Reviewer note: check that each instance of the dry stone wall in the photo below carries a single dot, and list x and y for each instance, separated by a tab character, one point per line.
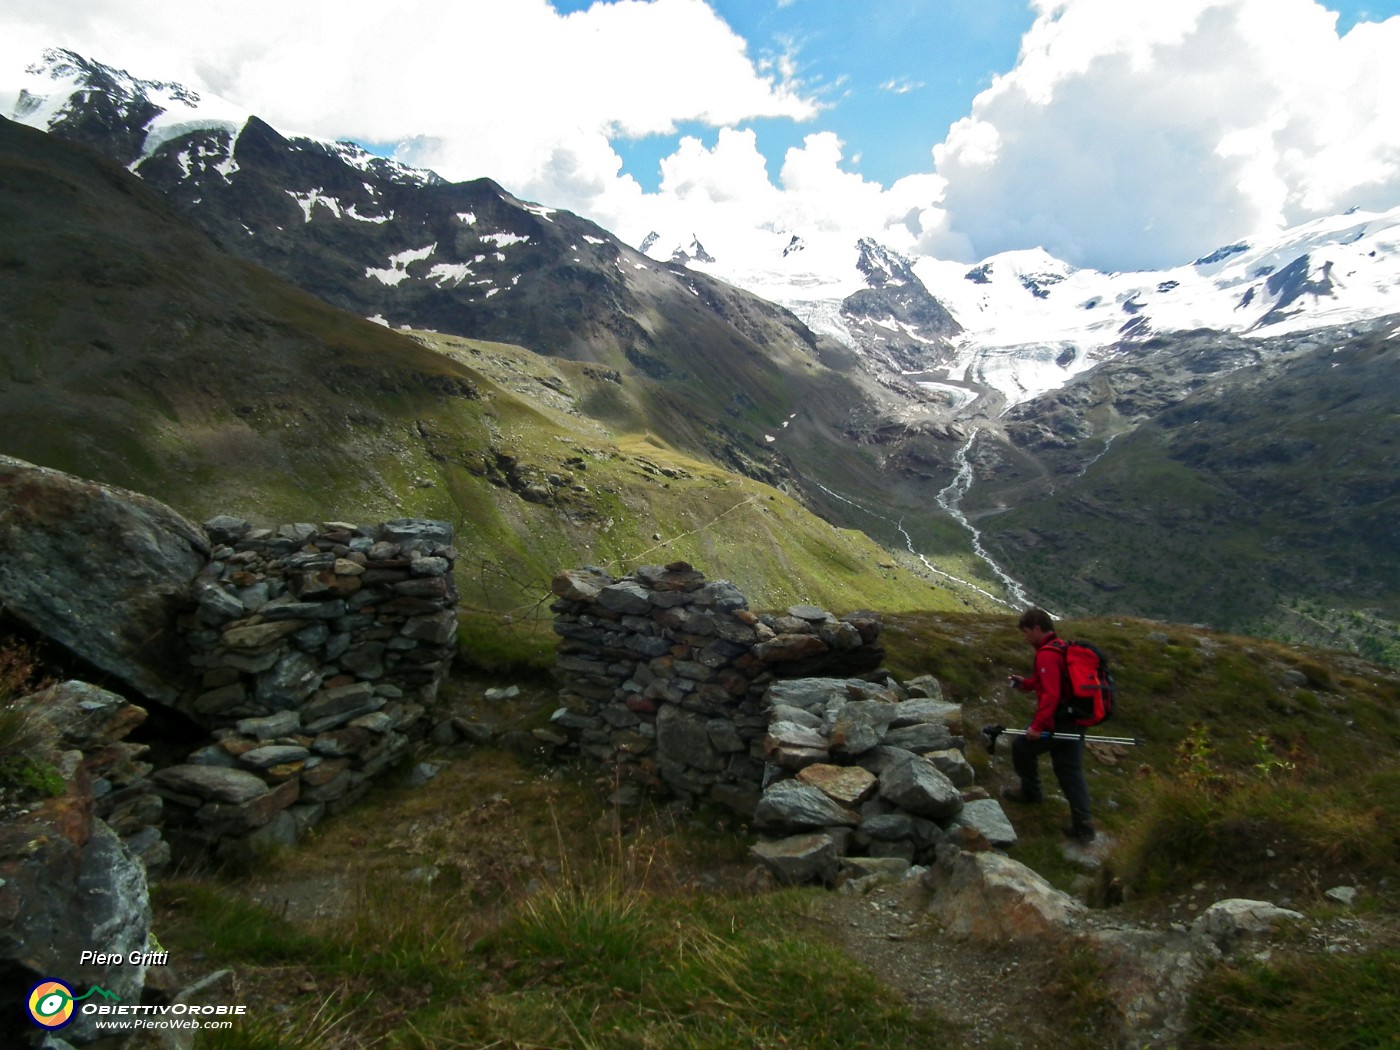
672	683
315	650
868	769
663	675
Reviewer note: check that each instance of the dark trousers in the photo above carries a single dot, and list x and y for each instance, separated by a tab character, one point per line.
1067	761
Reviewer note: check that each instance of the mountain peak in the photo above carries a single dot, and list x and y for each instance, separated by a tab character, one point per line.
694	252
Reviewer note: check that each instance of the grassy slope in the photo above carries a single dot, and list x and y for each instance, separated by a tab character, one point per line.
136	353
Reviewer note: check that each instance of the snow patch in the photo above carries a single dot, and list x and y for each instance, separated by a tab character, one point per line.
397	269
455	273
309	200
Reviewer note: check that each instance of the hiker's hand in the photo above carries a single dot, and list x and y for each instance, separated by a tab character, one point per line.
1014	681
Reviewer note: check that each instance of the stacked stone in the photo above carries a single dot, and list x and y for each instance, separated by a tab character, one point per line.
69	883
91	725
864	769
663	675
316	649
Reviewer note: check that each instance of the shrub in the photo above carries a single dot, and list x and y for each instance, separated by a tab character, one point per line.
25	740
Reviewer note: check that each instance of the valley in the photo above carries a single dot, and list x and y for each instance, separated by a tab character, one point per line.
1019	430
559	825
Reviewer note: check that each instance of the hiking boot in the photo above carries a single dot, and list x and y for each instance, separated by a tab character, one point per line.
1019	795
1081	832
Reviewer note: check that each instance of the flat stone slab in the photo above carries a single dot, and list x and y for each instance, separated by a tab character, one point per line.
274	755
848	785
233	786
811	857
790	804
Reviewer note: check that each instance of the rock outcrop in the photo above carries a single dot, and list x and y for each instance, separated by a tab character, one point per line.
986	896
69	884
91	726
101	570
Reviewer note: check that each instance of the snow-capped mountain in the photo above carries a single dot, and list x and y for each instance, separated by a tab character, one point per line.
905	394
1024	322
134	120
407	249
1019	324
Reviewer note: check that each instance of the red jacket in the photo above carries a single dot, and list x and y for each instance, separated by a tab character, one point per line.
1046	683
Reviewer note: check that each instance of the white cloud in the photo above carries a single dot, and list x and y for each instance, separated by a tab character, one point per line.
901	85
1131	133
1136	134
727	196
514	91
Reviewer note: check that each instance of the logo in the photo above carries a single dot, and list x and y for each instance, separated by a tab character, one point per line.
51	1002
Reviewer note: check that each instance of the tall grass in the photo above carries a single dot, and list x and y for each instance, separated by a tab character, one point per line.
585	965
1339	1002
608	944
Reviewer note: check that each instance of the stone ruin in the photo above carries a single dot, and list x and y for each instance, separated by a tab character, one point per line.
673	684
295	662
316	650
273	673
663	675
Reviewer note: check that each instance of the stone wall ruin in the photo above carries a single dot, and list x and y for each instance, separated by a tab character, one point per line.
663	675
315	651
299	660
674	685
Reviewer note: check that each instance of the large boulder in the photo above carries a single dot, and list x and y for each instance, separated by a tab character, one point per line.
987	896
100	570
917	786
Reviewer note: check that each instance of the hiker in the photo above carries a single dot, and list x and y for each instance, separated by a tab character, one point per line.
1050	730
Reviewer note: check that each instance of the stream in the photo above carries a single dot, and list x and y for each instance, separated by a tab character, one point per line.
950	499
909	543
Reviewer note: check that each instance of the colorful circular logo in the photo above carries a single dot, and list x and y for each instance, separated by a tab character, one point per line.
51	1004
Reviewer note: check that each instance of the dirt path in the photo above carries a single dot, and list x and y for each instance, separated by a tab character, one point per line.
987	993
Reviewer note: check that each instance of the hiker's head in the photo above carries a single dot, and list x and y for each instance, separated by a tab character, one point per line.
1036	625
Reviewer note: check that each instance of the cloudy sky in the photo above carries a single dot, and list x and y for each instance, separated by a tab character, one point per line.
1118	134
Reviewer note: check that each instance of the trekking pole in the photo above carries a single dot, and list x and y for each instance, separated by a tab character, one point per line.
990	733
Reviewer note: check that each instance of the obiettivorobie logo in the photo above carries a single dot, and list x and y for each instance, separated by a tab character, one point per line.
53	1005
51	1002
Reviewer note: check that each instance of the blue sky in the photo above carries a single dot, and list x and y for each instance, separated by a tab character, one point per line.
892	74
1117	134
